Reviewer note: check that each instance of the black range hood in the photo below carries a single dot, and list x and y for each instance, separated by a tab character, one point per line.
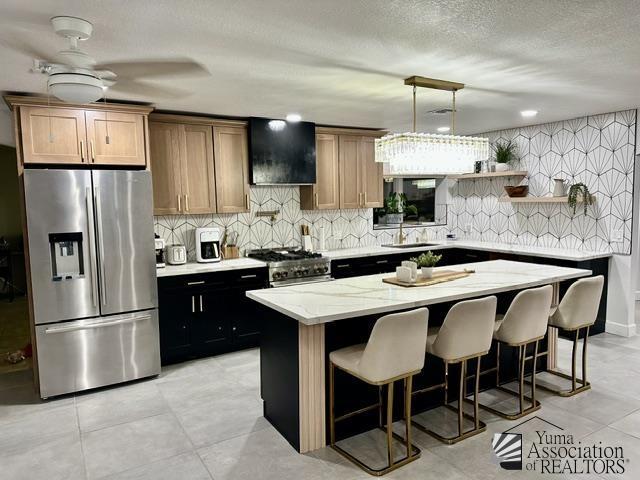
281	152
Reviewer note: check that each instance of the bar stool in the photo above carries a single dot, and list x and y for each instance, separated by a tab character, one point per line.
577	311
524	323
465	334
395	351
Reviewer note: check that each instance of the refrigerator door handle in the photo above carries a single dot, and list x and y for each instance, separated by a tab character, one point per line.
88	326
92	248
103	290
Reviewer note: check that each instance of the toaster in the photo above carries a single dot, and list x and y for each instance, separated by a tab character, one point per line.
176	254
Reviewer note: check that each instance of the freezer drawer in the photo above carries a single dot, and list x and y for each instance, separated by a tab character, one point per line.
83	354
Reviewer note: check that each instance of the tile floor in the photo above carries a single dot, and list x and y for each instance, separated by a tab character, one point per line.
202	420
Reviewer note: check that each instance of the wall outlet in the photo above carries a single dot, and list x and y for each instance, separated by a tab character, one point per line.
617	235
467	228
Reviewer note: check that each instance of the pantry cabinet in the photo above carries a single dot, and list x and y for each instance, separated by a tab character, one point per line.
58	133
346	171
199	165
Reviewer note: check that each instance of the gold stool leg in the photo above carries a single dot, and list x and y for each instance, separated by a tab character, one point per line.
533	403
584	384
476	415
413	452
478	427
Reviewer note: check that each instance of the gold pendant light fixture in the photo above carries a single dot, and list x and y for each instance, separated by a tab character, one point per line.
414	153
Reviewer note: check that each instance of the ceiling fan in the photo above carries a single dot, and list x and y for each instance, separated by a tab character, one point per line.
75	77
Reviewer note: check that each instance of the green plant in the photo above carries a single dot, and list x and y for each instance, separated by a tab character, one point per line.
505	152
397	203
576	190
427	259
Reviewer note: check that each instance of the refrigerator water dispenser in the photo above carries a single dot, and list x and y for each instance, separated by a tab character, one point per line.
67	260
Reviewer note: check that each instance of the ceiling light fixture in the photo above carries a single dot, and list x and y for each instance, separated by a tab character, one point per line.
444	129
75	87
429	153
293	117
529	113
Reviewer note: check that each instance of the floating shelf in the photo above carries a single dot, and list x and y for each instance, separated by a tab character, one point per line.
564	199
510	173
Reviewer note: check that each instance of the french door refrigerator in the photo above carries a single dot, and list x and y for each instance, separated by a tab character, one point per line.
93	277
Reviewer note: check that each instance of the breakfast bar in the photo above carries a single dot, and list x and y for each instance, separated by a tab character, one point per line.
303	323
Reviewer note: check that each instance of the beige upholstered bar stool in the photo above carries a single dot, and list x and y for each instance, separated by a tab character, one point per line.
577	311
464	335
525	323
395	351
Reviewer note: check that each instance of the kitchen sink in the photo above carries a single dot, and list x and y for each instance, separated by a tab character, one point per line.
410	245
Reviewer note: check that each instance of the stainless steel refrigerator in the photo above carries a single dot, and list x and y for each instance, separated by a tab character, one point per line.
93	277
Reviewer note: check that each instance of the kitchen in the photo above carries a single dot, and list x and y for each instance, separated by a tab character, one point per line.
284	242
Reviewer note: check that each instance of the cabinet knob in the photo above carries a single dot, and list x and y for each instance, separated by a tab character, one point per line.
219	328
234	329
184	327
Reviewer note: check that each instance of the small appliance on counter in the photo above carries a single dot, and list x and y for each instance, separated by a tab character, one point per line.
160	243
176	254
208	245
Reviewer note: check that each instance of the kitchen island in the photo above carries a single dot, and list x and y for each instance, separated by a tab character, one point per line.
301	324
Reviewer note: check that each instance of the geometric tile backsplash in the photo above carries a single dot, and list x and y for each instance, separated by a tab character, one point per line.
597	150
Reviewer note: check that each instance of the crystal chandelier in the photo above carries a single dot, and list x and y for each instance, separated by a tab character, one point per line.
427	153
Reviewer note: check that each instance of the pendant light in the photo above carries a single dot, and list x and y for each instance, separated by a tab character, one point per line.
414	153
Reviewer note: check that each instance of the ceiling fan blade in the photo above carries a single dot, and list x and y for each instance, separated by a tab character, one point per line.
155	68
147	89
105	75
26	49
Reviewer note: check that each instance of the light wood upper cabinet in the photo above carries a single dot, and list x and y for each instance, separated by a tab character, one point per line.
198	180
164	144
53	135
50	131
115	138
325	193
370	174
232	169
350	192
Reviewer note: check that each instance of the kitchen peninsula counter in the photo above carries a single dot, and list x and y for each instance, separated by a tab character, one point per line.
301	324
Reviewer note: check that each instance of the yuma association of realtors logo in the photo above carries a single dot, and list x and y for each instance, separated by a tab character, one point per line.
556	453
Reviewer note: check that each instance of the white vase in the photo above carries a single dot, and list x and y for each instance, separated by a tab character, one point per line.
426	272
502	167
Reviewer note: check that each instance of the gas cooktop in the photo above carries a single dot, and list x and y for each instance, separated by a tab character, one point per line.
292	265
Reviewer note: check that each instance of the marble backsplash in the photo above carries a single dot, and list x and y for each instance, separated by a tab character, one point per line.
597	150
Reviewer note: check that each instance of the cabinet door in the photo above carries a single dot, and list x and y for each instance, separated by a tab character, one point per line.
232	169
164	156
326	190
211	332
53	135
198	187
176	320
350	192
370	174
116	138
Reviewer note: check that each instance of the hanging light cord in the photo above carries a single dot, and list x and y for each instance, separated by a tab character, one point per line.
453	114
106	119
414	109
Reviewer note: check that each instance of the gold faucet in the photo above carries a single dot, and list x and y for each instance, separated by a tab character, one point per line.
401	237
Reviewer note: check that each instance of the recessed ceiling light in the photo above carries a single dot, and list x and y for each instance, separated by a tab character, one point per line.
293	117
529	113
443	129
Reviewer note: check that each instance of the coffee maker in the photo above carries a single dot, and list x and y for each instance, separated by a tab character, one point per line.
208	244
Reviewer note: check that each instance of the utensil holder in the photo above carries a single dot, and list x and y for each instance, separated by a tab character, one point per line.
230	252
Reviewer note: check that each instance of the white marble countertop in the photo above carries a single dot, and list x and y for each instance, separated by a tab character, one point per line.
223	265
324	302
559	253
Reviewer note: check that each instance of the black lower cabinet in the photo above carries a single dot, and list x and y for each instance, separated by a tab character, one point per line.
208	314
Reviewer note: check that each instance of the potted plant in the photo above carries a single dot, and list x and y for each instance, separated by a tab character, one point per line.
426	262
395	208
575	191
505	153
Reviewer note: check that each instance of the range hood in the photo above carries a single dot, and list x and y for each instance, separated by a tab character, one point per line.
281	152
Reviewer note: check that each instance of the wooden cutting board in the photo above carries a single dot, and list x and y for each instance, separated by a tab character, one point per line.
438	277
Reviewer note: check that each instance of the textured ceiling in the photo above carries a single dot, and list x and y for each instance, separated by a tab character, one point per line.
342	62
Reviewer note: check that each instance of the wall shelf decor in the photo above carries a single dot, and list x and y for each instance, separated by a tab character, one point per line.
564	199
471	176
